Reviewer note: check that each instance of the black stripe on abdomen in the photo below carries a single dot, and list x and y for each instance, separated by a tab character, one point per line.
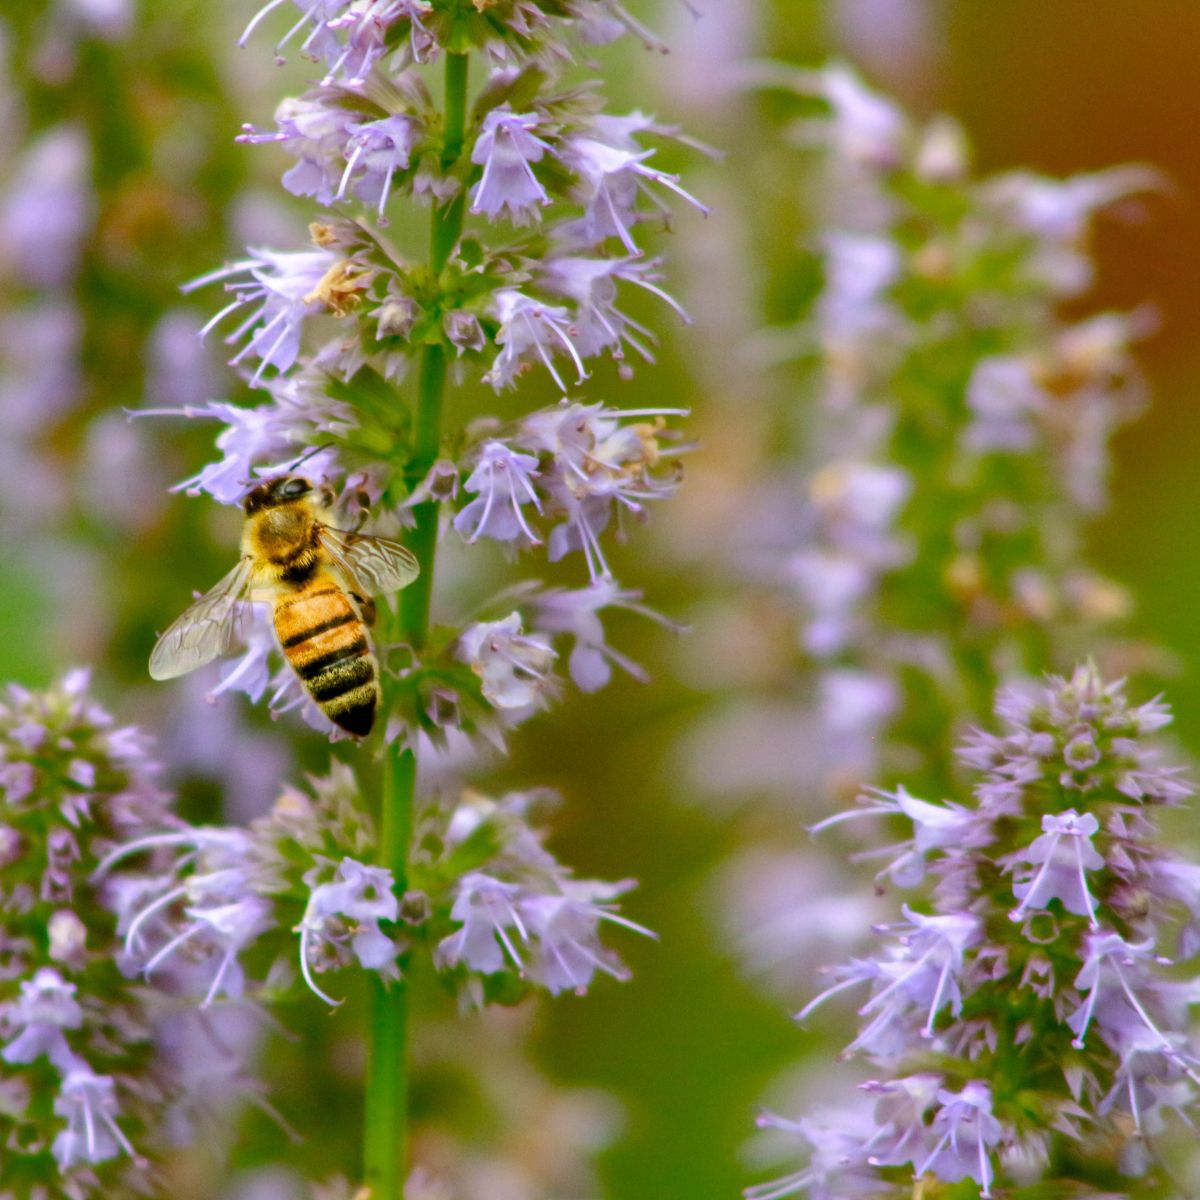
319	666
298	639
342	677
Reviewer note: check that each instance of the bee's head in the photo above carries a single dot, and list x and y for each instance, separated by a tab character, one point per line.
283	489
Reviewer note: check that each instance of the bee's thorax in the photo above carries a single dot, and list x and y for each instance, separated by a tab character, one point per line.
283	542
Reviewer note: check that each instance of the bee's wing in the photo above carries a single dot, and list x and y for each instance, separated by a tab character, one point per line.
374	566
210	628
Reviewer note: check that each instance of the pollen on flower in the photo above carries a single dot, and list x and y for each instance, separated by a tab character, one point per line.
341	288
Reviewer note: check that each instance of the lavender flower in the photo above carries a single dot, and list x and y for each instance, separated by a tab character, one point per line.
283	289
1057	1036
597	466
505	148
513	667
540	202
501	482
336	154
80	1074
514	917
232	888
341	919
574	179
574	465
592	284
613	179
528	326
1059	861
576	613
88	1103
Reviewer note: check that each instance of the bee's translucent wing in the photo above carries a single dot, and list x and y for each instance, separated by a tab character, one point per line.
213	626
374	566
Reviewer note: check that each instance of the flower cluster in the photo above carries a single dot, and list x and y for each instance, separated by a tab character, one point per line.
572	468
504	914
292	890
351	38
229	890
559	193
80	1079
372	143
937	353
338	322
1031	1024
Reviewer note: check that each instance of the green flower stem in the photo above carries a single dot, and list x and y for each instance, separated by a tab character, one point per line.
385	1148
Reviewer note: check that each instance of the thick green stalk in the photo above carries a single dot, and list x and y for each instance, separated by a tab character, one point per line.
385	1148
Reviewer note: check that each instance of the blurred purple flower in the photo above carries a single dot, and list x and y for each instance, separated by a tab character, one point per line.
48	210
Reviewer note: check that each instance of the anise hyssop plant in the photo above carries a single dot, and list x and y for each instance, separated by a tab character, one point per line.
1028	1018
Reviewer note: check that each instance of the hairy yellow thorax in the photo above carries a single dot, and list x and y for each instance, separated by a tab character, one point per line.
283	538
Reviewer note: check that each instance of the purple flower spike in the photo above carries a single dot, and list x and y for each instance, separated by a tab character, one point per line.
1014	1039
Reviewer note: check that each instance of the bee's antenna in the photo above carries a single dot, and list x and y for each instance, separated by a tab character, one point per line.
287	468
311	452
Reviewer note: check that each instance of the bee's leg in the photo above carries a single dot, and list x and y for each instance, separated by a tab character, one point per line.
360	518
366	609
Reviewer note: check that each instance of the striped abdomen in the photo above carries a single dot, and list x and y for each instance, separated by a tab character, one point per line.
326	643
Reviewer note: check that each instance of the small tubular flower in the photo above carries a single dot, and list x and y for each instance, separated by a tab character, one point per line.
1060	860
514	668
591	283
529	327
343	916
576	613
612	181
88	1103
502	482
282	291
519	915
505	148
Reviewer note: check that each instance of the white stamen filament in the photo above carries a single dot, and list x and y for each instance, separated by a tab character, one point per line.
1083	885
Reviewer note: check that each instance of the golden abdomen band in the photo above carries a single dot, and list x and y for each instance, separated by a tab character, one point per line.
326	644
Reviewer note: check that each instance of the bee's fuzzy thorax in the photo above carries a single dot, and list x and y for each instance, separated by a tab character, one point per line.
283	537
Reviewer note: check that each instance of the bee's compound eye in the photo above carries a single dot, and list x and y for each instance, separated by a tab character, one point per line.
294	488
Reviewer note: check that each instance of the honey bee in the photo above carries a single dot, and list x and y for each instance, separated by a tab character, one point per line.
319	581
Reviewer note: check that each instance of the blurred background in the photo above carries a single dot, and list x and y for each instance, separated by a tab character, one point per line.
131	107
